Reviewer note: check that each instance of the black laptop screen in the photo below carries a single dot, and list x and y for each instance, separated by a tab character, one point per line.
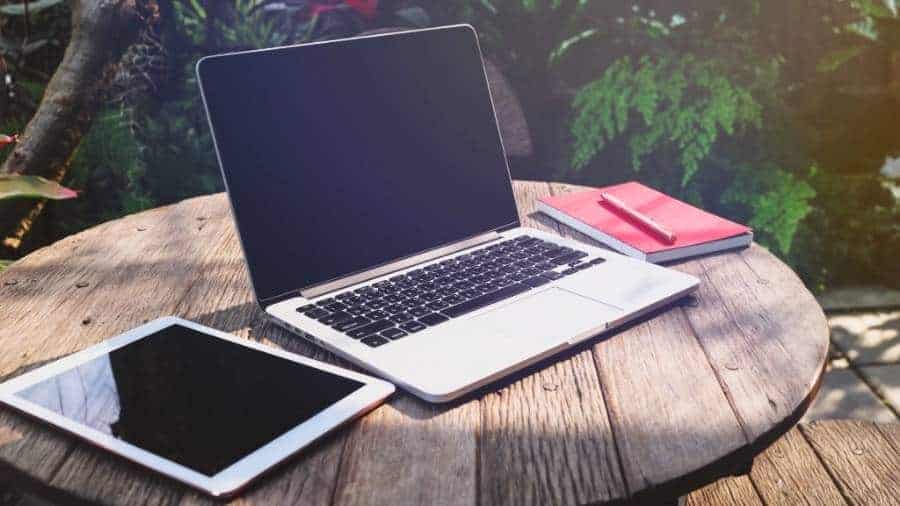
342	156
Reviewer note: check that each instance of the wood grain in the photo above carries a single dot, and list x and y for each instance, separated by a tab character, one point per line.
789	473
733	491
410	452
860	459
629	414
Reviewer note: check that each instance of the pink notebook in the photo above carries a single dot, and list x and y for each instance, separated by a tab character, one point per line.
698	232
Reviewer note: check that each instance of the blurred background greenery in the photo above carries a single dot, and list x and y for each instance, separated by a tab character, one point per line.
777	113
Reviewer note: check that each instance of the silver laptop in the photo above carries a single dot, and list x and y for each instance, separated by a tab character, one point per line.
373	200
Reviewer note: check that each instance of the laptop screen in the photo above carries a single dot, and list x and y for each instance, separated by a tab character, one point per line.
343	156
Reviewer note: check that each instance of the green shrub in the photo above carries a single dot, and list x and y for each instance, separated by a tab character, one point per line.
675	103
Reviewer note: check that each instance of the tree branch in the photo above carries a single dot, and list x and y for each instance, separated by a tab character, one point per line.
101	31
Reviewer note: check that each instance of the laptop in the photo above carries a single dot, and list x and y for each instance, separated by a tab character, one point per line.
373	201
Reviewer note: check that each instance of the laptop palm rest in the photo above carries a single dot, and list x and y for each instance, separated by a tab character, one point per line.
470	350
549	316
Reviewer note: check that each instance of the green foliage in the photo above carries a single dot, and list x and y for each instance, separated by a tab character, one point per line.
675	103
777	201
109	169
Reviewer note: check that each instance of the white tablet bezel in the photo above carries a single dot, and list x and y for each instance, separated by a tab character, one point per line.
231	479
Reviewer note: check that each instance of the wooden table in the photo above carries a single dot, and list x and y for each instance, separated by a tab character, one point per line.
656	410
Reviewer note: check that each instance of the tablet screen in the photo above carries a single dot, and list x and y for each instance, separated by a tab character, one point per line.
192	398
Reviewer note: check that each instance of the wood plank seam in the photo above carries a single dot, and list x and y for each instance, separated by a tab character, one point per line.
722	383
828	470
744	256
732	316
479	434
337	474
756	489
889	439
59	465
612	426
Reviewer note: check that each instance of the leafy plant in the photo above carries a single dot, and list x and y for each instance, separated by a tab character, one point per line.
675	103
22	186
33	7
682	97
777	200
14	185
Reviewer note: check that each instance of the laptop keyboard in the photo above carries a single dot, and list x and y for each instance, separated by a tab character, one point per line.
394	308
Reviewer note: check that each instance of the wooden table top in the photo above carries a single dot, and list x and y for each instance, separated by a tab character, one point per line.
664	406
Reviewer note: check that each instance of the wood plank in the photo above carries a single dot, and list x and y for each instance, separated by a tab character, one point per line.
862	461
735	490
669	415
750	338
789	473
891	432
91	474
409	452
26	447
540	431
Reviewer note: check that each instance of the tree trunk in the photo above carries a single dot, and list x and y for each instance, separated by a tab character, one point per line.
101	31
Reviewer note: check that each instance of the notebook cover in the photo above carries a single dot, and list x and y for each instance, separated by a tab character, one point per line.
691	226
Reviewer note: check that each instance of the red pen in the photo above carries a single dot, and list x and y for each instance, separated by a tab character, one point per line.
657	229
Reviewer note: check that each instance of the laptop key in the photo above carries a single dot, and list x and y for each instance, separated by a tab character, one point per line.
454	299
393	333
351	324
335	307
419	311
401	318
371	328
485	300
303	309
325	302
571	257
433	319
316	313
438	305
551	275
376	315
413	326
375	341
377	303
335	318
535	281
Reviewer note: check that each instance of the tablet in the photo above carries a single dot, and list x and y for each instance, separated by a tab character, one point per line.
203	407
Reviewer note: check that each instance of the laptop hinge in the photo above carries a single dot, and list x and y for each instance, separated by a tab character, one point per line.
360	277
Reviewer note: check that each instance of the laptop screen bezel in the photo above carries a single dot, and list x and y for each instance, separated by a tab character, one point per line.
295	292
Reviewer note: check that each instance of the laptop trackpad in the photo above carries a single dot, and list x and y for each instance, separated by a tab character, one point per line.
553	316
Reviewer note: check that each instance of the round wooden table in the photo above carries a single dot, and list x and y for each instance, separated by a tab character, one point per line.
653	411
